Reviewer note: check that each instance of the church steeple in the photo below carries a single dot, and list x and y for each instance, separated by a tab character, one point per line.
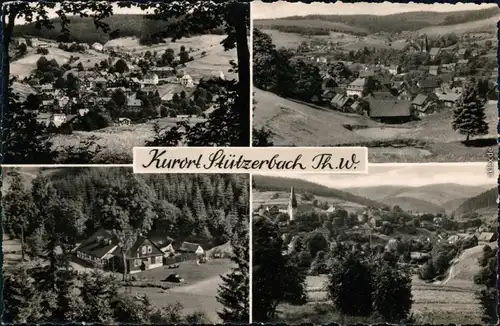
292	205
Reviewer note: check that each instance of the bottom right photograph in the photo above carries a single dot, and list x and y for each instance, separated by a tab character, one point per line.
405	244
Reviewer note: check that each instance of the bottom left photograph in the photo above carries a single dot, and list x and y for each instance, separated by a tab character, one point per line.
105	245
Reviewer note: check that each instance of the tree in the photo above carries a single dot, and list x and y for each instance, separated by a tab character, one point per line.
18	207
25	141
316	244
121	66
350	285
233	294
233	16
276	279
469	117
392	297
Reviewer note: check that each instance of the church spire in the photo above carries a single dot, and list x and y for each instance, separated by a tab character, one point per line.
293	199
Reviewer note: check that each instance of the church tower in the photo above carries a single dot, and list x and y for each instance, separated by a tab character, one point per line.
292	205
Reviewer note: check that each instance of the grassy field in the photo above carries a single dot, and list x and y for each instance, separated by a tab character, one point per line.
117	140
488	24
453	301
265	198
430	139
197	293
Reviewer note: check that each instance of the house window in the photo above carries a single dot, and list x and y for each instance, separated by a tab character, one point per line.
143	250
137	262
150	249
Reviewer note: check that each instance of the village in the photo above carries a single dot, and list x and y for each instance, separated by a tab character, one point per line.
138	241
121	86
397	94
439	250
377	82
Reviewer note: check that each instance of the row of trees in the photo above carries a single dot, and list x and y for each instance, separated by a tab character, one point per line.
275	71
360	284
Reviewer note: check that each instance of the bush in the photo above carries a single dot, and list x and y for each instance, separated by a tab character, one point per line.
43	51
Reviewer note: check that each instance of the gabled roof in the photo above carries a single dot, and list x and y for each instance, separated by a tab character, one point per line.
388	107
189	247
434	51
420	99
486	236
358	82
427	83
99	244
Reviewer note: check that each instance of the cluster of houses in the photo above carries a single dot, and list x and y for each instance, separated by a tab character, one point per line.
102	250
95	88
381	92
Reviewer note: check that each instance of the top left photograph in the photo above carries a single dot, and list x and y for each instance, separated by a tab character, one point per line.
88	81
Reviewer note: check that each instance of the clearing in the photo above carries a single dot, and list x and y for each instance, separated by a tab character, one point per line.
117	141
197	293
300	124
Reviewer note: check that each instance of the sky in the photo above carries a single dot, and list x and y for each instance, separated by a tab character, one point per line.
261	10
413	175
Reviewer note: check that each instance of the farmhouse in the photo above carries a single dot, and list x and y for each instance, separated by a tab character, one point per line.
187	81
165	243
97	46
434	70
389	109
434	53
448	99
150	79
163	72
102	250
357	87
190	251
376	221
486	237
423	104
133	102
427	85
341	102
394	69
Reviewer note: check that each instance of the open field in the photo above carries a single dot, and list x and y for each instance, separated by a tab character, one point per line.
488	24
433	139
197	293
453	301
117	140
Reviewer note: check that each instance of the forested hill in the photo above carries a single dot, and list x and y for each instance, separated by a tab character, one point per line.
267	183
82	29
198	207
487	199
408	21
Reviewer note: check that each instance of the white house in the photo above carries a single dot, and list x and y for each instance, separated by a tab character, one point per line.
357	87
187	81
218	74
97	46
150	79
58	119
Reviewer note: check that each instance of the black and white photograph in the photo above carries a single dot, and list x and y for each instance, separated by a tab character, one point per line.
412	82
104	245
405	244
88	81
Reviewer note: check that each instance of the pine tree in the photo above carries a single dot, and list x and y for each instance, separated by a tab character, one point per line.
233	294
469	117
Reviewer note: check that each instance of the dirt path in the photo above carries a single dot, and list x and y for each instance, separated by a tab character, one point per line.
206	287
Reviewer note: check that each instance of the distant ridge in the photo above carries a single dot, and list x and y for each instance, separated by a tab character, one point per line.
268	183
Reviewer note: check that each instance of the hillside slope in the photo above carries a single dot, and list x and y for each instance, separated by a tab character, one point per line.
484	201
296	124
408	21
268	183
414	205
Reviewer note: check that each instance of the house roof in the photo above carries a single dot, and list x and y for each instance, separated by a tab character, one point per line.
366	73
358	82
99	244
420	99
189	247
433	67
463	61
389	107
161	240
462	51
428	83
486	236
448	97
434	51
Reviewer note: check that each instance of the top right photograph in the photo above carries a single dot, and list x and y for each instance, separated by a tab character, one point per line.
412	82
